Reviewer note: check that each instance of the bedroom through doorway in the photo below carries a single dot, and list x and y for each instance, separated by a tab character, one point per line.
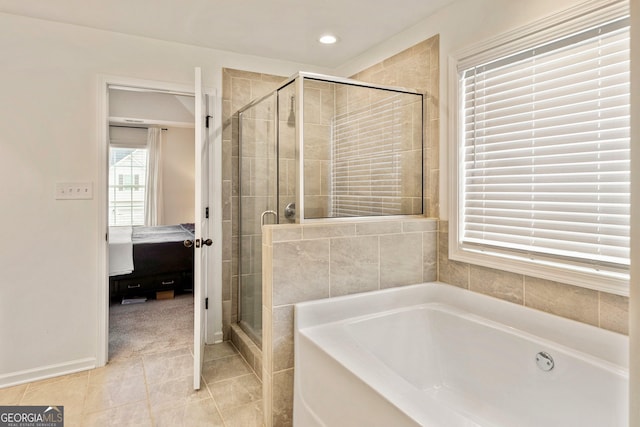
151	193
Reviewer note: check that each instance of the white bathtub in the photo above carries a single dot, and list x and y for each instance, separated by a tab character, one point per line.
438	356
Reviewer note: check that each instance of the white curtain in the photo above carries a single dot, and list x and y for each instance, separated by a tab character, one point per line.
153	203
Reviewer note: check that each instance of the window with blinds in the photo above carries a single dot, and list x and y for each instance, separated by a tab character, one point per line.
544	152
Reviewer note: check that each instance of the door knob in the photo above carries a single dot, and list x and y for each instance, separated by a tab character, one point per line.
187	243
207	242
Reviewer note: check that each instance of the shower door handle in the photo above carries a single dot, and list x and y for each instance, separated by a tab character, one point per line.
265	213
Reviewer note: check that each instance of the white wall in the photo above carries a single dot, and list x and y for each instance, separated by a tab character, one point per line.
460	25
48	133
178	175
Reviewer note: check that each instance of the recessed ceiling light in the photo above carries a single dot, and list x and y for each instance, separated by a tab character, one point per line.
328	39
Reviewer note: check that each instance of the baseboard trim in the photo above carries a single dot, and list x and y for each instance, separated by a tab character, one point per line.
44	372
218	337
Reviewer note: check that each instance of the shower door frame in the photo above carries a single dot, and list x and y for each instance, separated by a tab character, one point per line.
298	80
251	333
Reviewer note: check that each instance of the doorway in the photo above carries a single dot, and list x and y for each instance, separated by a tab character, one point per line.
151	202
212	287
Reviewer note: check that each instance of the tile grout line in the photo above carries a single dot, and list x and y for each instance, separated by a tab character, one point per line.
85	394
24	393
215	404
238	353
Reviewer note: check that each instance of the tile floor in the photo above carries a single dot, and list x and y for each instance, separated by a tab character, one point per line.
149	378
154	389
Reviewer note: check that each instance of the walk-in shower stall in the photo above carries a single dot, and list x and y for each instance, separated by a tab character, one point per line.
322	147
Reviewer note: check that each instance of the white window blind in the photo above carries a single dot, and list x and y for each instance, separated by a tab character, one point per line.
545	151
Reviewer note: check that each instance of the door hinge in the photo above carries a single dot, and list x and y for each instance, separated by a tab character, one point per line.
206	303
206	212
207	121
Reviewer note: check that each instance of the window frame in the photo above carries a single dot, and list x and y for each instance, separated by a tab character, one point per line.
544	30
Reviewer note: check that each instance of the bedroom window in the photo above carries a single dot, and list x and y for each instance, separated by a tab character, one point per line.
542	162
127	169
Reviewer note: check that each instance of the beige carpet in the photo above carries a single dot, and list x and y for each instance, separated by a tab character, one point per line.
150	327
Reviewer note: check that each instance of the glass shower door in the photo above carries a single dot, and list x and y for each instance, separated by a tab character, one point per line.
258	204
287	121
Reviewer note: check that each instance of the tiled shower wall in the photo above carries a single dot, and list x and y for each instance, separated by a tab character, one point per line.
376	153
362	151
286	149
418	68
319	109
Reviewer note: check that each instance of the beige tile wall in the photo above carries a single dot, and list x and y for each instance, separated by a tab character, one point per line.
287	149
303	262
584	305
319	108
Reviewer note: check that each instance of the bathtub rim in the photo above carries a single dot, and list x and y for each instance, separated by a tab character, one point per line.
582	337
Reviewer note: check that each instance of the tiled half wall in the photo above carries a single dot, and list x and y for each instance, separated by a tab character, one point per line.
303	262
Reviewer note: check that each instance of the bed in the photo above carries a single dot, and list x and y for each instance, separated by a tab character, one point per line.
144	260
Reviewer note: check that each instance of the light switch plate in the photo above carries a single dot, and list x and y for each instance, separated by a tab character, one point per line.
74	190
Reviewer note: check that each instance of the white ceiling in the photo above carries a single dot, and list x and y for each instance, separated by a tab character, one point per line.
281	29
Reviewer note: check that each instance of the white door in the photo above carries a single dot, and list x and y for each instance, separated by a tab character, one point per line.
202	240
